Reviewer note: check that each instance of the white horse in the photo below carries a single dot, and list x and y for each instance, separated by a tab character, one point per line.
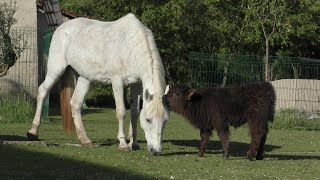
122	52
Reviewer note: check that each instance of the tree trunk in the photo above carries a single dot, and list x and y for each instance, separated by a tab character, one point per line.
266	61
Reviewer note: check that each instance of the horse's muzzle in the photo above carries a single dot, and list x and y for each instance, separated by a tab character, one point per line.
154	152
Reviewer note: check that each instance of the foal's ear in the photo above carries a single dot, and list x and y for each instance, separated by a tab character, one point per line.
192	95
148	96
167	89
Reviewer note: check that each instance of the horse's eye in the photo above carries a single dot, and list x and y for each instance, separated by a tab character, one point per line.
148	120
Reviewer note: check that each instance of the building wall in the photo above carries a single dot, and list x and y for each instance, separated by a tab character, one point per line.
23	76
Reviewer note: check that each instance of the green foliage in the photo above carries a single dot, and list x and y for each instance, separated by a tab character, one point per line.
10	49
100	96
16	108
218	27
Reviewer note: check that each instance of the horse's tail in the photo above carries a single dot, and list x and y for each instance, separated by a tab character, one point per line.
67	87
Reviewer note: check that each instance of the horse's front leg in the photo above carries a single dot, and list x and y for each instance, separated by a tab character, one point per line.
118	88
44	90
76	102
135	91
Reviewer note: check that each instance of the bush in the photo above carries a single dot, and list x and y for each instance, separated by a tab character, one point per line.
16	108
294	119
102	96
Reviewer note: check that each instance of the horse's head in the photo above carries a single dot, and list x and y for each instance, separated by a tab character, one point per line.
153	118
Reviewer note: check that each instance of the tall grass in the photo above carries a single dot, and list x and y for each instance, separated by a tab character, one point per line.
294	119
16	108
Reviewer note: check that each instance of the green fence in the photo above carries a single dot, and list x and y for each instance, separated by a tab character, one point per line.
208	70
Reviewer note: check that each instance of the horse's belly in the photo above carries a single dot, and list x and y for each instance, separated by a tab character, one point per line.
100	73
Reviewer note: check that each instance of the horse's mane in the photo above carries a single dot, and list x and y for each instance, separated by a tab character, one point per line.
147	49
157	66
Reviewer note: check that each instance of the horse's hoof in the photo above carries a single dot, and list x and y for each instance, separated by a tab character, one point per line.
32	137
87	144
135	147
124	148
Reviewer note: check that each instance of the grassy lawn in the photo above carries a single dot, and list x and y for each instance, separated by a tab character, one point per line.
290	154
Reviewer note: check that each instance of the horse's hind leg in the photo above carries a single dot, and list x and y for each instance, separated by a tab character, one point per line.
118	87
76	102
135	90
43	91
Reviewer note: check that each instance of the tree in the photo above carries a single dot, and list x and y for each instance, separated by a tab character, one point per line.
10	49
266	17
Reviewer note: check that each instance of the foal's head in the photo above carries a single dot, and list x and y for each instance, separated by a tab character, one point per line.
153	118
177	97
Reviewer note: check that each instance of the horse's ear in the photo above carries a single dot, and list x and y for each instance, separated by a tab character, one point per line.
167	90
148	96
192	95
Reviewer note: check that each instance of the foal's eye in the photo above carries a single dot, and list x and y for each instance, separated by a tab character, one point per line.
148	120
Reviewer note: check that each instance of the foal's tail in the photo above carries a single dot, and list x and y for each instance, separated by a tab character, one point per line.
67	87
272	100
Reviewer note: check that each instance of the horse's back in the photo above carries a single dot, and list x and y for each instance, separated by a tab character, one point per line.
108	48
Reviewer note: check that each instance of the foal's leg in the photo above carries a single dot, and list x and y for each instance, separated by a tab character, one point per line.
205	137
258	135
224	138
260	152
118	87
81	89
43	91
135	109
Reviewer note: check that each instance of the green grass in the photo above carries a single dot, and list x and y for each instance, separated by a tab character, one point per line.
17	108
290	154
294	119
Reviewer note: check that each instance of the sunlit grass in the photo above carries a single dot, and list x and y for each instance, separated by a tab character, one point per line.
290	154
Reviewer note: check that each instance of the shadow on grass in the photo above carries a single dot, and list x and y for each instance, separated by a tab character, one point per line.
16	163
13	138
237	149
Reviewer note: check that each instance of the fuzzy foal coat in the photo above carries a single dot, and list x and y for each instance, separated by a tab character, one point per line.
218	108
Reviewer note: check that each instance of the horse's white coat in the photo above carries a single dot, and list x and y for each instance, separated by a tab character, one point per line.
122	52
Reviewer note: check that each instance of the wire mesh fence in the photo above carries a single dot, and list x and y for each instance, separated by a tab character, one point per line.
296	82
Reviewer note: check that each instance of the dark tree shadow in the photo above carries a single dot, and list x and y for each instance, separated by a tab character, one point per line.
22	164
12	138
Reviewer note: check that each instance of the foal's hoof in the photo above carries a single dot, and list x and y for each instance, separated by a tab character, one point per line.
124	148
259	157
200	154
225	157
135	147
32	137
